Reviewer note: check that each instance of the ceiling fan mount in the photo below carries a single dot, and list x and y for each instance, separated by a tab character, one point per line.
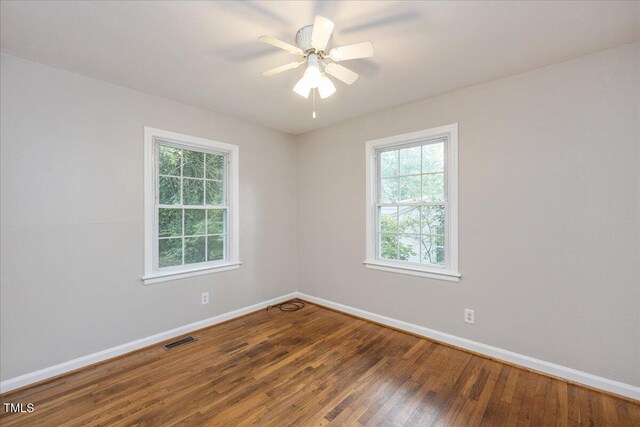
303	41
314	47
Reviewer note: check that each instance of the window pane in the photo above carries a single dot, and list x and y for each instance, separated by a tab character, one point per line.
388	219
169	191
215	166
409	248
433	187
194	249
433	157
169	160
193	191
194	221
388	246
433	219
216	248
389	163
389	190
193	164
433	250
409	220
410	161
216	220
170	252
409	188
170	222
215	193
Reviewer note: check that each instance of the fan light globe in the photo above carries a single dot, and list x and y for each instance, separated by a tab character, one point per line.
326	87
302	88
312	75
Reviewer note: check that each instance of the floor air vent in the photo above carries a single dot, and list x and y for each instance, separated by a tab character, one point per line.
181	341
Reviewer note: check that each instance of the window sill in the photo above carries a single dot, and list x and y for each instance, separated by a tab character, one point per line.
430	273
175	275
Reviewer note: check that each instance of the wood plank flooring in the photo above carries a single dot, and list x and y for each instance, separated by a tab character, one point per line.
312	367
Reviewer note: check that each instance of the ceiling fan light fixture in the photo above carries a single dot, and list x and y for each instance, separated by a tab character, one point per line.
326	87
314	46
302	88
312	74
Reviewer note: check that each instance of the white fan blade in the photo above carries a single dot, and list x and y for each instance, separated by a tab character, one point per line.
322	28
282	68
341	73
352	51
280	44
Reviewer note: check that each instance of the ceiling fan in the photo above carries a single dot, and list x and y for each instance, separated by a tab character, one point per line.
314	46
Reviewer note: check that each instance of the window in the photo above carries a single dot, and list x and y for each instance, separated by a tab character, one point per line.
191	202
412	199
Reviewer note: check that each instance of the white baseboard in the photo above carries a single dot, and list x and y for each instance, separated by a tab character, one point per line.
80	362
570	374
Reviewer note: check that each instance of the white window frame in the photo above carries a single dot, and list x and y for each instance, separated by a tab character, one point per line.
151	139
450	271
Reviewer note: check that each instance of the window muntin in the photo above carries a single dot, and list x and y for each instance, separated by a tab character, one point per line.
191	208
411	203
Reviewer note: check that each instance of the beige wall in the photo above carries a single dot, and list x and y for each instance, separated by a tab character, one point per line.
72	217
549	215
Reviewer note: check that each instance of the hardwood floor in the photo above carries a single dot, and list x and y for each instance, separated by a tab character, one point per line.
312	367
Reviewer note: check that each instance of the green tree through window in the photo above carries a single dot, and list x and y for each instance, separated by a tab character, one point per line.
412	204
192	209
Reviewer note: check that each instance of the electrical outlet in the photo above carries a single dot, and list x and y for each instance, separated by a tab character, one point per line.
469	316
205	298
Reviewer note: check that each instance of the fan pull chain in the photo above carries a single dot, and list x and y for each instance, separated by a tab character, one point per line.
314	103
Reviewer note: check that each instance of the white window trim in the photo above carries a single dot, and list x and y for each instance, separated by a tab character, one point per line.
450	272
151	275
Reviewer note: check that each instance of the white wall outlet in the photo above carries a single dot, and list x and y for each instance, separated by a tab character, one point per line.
205	298
469	316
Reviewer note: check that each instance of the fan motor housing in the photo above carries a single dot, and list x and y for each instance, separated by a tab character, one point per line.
303	39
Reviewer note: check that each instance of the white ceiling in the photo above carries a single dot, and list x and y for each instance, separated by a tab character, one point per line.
207	54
